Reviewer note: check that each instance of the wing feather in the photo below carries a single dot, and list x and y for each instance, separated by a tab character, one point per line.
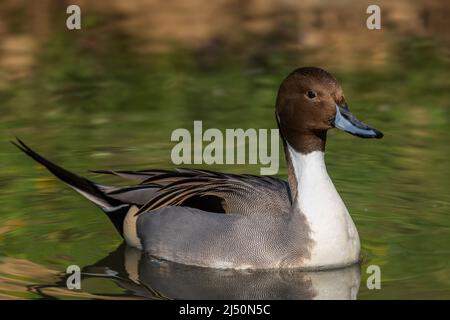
244	194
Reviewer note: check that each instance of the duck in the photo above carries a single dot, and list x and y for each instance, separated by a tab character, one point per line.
240	221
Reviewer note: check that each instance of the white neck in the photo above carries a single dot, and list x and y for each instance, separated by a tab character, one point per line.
336	240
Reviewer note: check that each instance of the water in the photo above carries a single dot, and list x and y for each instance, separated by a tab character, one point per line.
109	97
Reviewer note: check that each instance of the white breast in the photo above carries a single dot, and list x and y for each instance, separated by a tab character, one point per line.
336	240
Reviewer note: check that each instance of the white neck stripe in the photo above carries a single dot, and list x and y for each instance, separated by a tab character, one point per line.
332	229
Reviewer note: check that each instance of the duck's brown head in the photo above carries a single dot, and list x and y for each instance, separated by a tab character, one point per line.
310	102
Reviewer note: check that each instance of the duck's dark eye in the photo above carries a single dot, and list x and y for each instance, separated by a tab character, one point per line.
311	94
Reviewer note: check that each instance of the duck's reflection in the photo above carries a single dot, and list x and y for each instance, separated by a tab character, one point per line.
155	279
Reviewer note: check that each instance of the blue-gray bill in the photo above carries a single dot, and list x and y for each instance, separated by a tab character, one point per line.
347	122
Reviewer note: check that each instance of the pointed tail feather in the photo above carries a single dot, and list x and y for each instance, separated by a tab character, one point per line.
115	209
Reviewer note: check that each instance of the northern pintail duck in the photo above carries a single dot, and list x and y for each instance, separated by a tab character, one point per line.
220	220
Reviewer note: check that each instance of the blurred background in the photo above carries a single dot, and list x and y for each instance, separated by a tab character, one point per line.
109	95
